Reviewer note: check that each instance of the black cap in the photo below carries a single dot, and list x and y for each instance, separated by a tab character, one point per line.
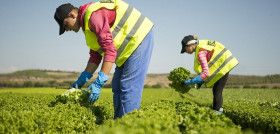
61	13
184	42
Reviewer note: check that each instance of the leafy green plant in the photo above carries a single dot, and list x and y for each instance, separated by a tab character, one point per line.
73	95
256	109
250	109
178	76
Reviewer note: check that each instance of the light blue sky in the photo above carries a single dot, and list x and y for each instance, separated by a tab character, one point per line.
249	28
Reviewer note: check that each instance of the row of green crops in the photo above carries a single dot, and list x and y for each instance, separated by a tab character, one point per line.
36	110
166	116
161	112
32	111
257	109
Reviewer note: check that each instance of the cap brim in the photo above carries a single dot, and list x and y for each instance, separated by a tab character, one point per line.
61	29
183	49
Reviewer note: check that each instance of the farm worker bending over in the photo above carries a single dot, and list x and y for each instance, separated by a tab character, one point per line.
118	33
212	63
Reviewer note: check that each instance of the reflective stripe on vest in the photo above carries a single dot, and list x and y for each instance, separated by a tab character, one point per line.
128	31
221	62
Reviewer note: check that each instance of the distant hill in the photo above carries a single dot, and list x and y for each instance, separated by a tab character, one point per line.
63	78
40	73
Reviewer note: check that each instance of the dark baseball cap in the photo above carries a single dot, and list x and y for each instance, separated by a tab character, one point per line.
61	13
185	41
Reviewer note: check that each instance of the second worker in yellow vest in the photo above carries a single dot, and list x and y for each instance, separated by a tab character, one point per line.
212	63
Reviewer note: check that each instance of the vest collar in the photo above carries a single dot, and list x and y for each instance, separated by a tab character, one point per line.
82	11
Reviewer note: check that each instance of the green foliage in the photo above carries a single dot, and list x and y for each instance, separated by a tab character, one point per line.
165	116
251	108
157	117
27	84
195	119
23	113
155	86
73	95
29	110
177	77
256	117
32	113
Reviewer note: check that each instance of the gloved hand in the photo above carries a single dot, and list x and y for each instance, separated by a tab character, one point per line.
84	77
195	80
96	86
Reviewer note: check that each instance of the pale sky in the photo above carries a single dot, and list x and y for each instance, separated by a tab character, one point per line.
248	28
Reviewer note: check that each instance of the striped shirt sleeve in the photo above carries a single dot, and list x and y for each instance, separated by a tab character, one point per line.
203	57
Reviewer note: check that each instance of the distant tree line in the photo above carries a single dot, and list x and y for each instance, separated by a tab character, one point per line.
55	84
51	83
29	78
248	80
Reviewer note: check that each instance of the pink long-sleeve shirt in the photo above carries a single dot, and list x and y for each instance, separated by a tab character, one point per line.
100	23
204	57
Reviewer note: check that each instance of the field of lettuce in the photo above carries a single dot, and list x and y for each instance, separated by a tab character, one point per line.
35	110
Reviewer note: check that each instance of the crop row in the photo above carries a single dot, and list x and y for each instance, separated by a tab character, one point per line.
32	114
26	113
256	117
166	116
261	116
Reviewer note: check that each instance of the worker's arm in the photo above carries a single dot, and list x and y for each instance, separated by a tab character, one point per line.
106	67
100	25
91	67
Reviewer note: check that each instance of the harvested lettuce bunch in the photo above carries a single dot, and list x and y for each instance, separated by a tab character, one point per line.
73	95
177	77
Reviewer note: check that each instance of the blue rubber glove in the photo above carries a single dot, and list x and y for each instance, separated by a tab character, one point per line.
195	80
84	77
96	86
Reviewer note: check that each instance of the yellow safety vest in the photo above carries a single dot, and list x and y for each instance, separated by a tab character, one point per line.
221	62
129	29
